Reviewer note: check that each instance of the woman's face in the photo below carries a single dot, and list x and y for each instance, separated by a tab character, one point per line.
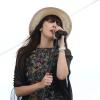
49	28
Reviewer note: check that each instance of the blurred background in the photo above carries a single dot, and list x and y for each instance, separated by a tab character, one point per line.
15	16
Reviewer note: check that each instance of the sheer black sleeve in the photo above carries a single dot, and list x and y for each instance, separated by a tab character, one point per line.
68	57
19	73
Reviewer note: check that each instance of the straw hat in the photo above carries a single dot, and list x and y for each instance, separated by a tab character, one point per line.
67	25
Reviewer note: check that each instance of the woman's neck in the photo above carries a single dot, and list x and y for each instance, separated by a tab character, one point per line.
45	43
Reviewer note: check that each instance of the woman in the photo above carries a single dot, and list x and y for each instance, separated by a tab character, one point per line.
42	64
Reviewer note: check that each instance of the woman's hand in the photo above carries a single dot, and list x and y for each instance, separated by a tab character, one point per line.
47	80
61	41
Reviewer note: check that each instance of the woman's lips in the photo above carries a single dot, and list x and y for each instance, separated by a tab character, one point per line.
53	33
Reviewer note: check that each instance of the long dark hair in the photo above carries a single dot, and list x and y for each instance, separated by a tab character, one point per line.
34	40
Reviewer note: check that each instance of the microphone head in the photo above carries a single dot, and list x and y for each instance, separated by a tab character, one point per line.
59	33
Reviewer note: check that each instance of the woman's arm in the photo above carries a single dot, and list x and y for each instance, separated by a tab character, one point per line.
62	66
26	90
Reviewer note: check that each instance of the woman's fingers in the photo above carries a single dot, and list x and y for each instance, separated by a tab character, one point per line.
59	28
47	80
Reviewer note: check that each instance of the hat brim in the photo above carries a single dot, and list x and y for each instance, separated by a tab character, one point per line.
66	21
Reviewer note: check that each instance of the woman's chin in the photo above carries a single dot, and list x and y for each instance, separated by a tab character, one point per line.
51	37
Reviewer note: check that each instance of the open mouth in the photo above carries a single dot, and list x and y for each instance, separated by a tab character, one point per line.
53	33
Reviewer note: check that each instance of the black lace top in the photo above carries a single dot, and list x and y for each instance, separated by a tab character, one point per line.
40	61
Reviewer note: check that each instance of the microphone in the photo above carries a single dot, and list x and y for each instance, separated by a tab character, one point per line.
60	33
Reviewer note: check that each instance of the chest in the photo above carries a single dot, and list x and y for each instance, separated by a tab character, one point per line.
37	65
